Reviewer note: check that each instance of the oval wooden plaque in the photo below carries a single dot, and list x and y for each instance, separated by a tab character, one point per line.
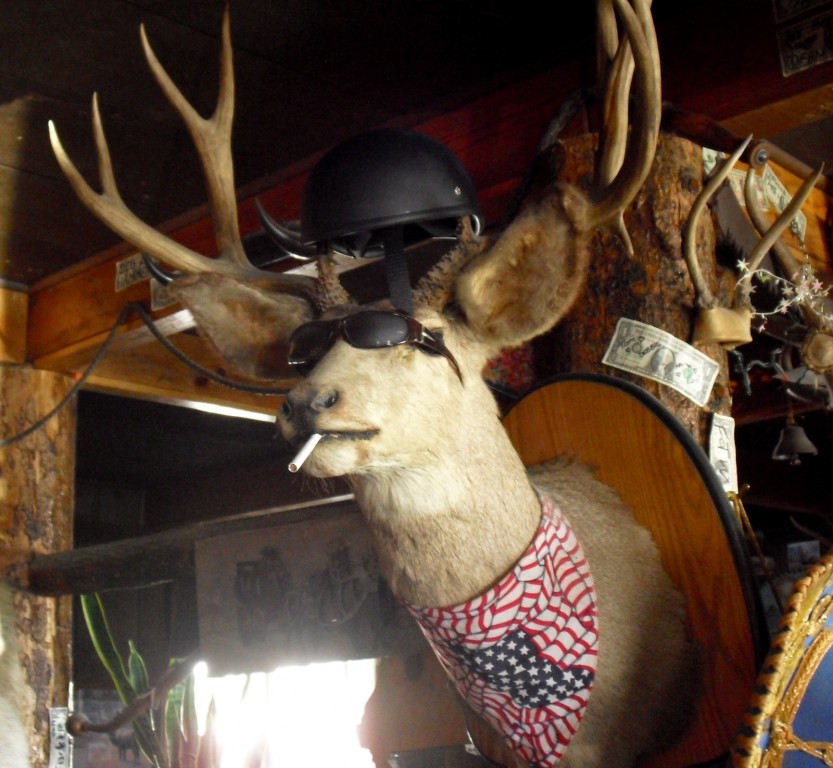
642	451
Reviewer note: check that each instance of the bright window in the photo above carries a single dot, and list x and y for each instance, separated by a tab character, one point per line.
306	715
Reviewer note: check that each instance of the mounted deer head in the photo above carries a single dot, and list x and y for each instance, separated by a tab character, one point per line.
283	300
398	405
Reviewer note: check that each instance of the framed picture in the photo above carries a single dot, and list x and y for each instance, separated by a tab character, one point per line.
294	594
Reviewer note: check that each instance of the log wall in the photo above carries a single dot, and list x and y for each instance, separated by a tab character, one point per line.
37	477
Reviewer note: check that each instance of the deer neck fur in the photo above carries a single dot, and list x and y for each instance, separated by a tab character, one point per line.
451	528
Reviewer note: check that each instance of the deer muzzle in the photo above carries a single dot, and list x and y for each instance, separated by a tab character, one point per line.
301	408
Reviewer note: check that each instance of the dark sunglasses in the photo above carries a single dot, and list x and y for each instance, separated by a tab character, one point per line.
372	329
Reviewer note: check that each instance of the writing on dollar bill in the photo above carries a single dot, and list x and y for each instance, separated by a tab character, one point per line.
658	355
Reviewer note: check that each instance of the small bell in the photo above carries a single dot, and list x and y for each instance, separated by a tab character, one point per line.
792	443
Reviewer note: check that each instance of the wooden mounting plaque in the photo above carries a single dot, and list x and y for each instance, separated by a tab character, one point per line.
642	451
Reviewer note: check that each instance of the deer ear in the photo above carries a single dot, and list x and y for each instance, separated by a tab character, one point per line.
248	327
531	276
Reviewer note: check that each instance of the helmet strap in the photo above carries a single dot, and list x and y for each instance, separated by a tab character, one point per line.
396	269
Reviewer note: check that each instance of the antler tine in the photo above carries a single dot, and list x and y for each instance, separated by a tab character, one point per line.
109	207
787	262
756	216
212	138
613	135
643	43
617	72
607	37
774	232
705	298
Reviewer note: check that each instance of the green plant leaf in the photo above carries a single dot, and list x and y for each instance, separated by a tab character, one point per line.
137	671
105	647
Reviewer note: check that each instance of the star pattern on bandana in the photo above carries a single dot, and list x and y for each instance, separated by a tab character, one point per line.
514	666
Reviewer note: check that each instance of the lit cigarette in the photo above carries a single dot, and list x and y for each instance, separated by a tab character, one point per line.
304	453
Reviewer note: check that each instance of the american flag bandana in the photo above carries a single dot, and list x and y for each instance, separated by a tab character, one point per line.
524	653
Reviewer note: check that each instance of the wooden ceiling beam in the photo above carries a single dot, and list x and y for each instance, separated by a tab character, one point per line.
151	372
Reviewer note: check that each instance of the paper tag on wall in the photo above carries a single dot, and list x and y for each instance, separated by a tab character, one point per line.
722	451
130	271
658	355
160	296
60	744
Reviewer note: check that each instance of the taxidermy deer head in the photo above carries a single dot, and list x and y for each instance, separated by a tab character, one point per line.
484	296
392	396
508	272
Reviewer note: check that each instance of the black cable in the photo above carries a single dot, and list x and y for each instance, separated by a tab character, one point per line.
207	372
73	390
148	321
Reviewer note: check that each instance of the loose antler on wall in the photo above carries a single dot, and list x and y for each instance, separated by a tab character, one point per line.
731	326
798	285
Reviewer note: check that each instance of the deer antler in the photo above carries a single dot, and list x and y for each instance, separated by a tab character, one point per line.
731	326
212	138
536	269
616	67
817	349
640	46
705	298
770	236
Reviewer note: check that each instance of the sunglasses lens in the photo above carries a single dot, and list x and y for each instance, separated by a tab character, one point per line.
309	342
373	330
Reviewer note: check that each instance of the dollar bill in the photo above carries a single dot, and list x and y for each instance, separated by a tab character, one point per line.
780	197
657	355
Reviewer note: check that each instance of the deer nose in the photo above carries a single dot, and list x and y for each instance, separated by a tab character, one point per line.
302	404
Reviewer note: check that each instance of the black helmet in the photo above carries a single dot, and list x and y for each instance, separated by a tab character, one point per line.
381	179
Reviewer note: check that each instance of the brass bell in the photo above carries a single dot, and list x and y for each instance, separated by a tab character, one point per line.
792	443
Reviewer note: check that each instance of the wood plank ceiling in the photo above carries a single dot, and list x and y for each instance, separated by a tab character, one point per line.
309	74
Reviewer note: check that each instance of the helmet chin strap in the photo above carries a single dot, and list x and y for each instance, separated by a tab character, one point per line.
396	269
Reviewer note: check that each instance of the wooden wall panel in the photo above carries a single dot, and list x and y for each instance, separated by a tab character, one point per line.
13	311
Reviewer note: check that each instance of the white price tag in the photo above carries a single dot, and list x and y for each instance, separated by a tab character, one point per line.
60	743
722	451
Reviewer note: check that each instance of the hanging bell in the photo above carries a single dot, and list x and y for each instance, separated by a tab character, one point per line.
792	443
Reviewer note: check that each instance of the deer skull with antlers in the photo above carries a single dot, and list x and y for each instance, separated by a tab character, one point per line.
397	405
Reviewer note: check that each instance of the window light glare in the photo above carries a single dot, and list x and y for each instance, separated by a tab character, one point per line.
303	715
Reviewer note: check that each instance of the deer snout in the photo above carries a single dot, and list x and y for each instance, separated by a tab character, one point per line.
302	405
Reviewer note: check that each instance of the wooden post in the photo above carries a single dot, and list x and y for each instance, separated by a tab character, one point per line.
652	285
37	478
